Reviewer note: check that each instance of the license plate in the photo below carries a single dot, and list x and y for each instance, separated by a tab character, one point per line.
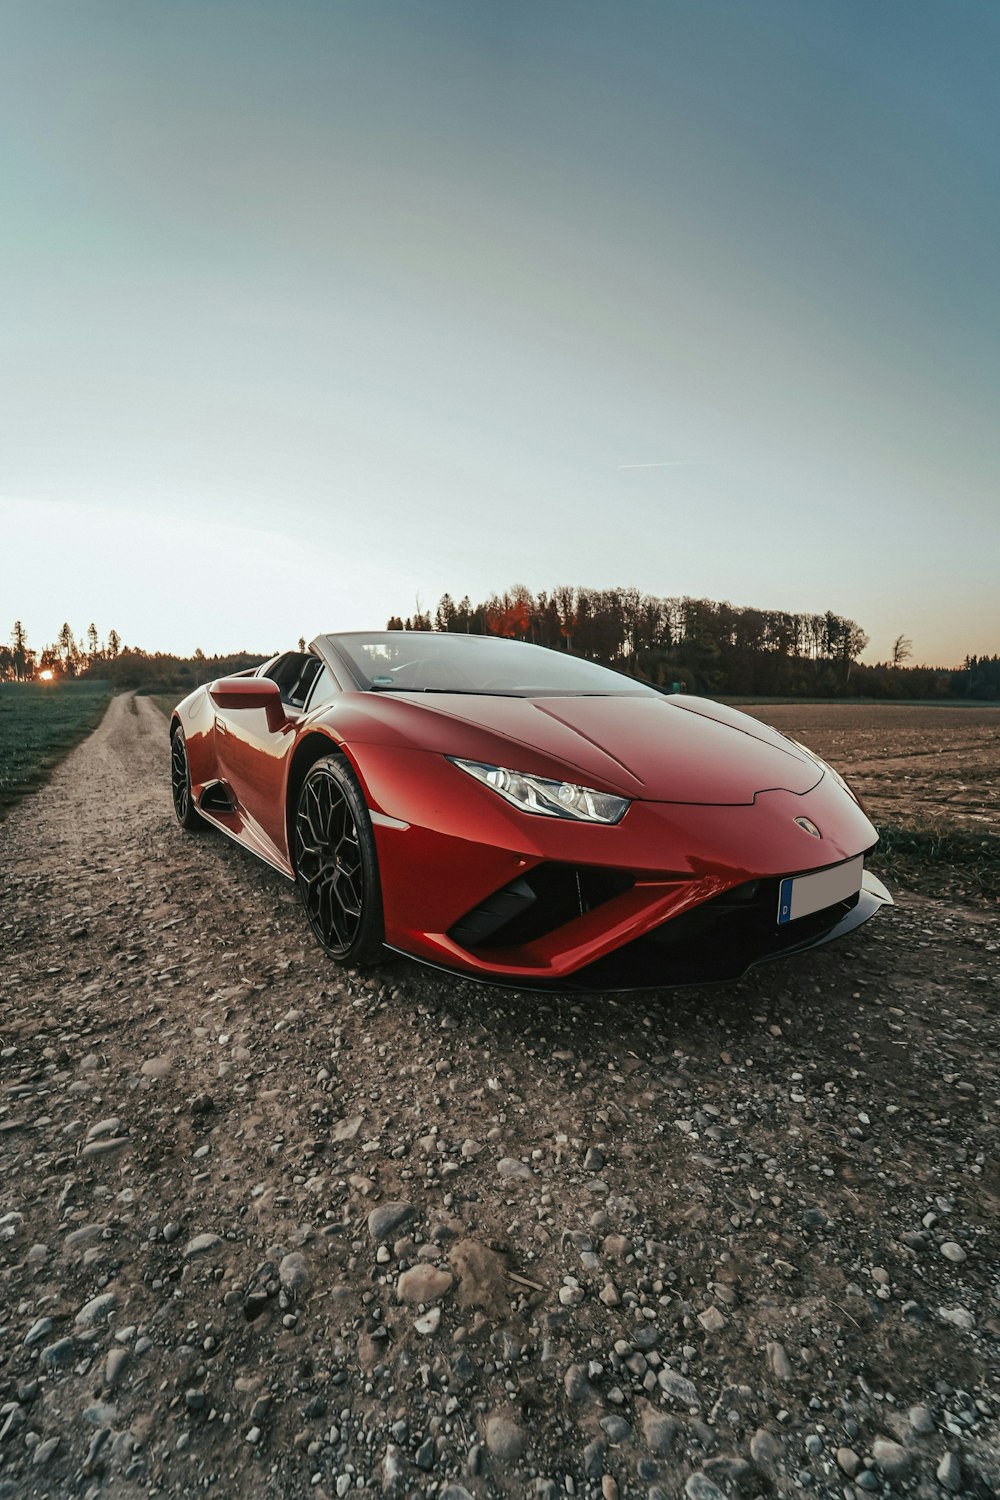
800	895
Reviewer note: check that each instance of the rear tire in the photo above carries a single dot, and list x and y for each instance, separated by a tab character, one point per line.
180	785
336	864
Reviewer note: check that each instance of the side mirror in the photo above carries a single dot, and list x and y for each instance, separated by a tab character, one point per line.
250	692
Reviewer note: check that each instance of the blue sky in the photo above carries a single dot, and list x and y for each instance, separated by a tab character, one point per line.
312	309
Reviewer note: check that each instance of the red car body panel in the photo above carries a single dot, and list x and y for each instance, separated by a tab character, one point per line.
714	798
680	855
661	755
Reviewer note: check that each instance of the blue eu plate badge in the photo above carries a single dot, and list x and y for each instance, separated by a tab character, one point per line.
801	895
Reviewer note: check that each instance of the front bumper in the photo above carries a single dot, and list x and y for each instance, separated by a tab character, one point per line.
716	941
689	893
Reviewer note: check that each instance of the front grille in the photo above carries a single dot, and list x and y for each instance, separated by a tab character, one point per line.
717	940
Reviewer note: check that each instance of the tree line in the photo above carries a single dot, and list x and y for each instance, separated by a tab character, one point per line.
65	657
708	646
110	660
693	645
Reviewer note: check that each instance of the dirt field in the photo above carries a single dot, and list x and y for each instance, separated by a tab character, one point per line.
267	1228
909	765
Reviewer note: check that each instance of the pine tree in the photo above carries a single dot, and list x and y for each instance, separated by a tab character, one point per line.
20	640
68	650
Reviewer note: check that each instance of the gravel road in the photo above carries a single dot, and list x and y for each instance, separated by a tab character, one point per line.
267	1227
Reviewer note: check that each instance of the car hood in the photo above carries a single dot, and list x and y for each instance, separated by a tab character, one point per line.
656	748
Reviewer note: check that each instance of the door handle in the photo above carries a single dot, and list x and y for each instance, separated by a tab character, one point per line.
220	728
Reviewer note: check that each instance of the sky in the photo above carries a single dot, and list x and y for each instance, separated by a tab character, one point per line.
312	311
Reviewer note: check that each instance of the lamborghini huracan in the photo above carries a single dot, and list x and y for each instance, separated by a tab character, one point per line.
522	816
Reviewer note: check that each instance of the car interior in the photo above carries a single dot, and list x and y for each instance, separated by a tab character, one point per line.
295	673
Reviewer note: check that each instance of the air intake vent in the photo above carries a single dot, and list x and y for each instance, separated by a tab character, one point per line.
537	903
217	798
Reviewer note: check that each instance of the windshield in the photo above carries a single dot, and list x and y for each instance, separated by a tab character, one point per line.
435	662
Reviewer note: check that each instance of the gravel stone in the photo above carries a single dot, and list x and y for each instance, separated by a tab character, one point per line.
97	1310
97	1442
39	1330
293	1273
105	1148
424	1283
510	1167
658	1430
201	1245
732	1470
114	1364
82	1236
921	1420
616	1428
700	1487
62	1352
892	1458
765	1447
848	1460
958	1317
384	1220
577	1383
44	1452
593	1458
678	1387
505	1439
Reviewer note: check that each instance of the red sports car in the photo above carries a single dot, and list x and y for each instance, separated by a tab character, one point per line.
522	816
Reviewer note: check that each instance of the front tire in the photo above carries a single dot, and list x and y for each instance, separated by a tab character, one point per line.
336	864
180	785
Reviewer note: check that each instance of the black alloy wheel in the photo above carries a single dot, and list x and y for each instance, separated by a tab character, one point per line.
336	865
180	784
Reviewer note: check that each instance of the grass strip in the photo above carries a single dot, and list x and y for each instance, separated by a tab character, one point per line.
166	704
40	723
941	858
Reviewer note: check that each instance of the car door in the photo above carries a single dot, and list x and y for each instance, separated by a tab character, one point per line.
253	745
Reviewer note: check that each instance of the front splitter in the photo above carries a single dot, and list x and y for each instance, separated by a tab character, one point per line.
638	968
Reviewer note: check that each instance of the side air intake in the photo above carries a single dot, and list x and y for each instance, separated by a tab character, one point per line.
217	797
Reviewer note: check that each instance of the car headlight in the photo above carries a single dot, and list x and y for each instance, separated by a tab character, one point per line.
825	766
550	799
